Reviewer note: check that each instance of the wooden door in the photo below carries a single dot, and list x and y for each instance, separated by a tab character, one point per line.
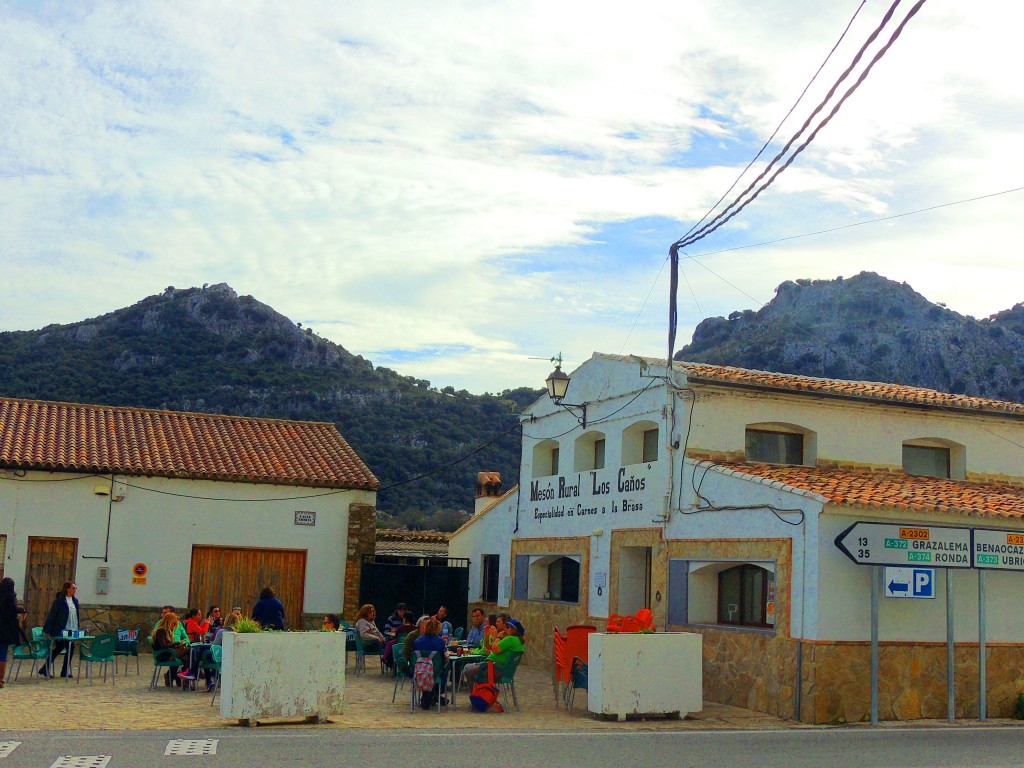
51	562
234	576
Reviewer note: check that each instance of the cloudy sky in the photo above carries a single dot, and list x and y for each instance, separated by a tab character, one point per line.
450	189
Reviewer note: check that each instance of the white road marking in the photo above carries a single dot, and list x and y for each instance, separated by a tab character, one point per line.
6	747
84	761
191	747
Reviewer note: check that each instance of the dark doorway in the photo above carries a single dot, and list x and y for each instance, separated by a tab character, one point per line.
423	586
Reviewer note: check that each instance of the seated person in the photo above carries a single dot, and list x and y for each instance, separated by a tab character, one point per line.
396	619
331	623
367	629
195	627
442	618
164	638
407	649
180	635
430	641
500	648
407	625
476	629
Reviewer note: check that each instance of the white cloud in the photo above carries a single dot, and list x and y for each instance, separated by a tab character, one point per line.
407	177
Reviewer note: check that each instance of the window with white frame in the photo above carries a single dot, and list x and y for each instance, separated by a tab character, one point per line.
740	594
640	443
548	577
545	458
588	452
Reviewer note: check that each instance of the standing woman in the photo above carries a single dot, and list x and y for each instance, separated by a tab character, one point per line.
11	632
63	615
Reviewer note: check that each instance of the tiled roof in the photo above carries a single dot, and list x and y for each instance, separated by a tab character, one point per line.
392	541
864	390
36	434
892	490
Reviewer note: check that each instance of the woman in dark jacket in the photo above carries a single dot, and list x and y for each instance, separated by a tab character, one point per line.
63	615
268	611
11	632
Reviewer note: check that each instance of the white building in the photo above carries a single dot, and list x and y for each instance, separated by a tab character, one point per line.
714	496
143	508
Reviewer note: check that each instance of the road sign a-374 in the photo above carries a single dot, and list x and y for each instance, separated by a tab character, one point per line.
913	545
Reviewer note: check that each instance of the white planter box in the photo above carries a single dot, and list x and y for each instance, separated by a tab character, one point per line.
282	674
645	674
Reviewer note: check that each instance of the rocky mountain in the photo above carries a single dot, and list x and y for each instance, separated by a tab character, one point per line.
208	349
870	328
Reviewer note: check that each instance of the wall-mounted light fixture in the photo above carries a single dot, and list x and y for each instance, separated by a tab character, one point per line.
558	384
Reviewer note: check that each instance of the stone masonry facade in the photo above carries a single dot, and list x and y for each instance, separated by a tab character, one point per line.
362	540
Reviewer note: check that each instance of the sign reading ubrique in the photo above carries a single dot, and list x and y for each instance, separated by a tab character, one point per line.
589	494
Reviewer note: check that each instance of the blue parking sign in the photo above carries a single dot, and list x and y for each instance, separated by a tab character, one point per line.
922	582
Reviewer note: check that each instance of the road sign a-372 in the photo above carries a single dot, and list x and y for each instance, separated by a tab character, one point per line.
914	545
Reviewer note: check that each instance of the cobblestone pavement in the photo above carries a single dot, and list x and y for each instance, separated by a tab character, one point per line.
29	704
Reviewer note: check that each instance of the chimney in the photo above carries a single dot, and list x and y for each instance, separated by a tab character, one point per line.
488	488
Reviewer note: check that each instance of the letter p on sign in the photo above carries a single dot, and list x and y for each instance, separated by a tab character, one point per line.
924	582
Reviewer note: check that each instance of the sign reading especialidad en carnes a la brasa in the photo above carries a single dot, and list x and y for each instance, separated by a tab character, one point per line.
869	543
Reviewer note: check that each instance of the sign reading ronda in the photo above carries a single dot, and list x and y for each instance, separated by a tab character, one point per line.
594	492
889	544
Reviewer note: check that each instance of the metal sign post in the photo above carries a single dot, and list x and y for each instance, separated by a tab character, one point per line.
950	703
876	578
982	694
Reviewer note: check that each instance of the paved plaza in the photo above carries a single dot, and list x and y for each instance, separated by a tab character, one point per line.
57	704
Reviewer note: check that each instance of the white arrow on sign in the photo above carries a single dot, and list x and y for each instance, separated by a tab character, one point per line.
914	545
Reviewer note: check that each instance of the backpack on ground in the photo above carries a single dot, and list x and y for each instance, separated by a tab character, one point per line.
485	695
423	672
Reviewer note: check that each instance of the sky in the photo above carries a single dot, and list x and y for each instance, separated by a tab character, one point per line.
460	191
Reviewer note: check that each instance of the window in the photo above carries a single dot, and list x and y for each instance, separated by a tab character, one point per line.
774	447
545	458
588	452
926	461
650	445
744	594
489	578
548	577
640	443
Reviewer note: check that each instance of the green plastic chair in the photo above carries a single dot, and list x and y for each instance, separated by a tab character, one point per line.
211	660
403	672
99	650
441	667
35	651
578	678
128	646
367	649
460	632
506	681
164	659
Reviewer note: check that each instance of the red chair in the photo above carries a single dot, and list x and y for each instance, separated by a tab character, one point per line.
560	674
614	623
576	641
645	617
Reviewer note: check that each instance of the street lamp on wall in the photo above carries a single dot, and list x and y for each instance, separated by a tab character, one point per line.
558	384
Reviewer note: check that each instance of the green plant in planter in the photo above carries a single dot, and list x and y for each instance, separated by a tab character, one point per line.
246	625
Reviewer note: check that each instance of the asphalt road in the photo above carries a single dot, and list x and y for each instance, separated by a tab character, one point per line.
978	747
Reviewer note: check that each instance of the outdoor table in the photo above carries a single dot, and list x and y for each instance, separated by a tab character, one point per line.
196	651
458	664
70	650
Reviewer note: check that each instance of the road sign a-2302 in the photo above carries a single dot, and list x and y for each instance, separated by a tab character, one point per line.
894	544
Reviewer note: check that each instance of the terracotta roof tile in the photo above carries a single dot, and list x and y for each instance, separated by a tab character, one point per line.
889	490
36	434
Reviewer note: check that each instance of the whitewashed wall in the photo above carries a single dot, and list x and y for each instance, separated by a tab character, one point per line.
489	533
160	530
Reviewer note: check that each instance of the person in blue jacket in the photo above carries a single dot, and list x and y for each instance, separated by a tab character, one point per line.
269	611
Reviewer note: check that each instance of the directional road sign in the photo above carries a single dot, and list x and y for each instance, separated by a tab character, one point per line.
1001	550
910	582
913	545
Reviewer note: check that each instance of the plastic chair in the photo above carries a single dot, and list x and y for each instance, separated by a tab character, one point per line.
128	646
560	670
578	678
645	617
505	679
403	672
614	623
459	633
576	643
440	675
364	649
35	652
166	659
211	660
99	650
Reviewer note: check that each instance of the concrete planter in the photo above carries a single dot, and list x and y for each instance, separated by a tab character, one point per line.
645	674
282	674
